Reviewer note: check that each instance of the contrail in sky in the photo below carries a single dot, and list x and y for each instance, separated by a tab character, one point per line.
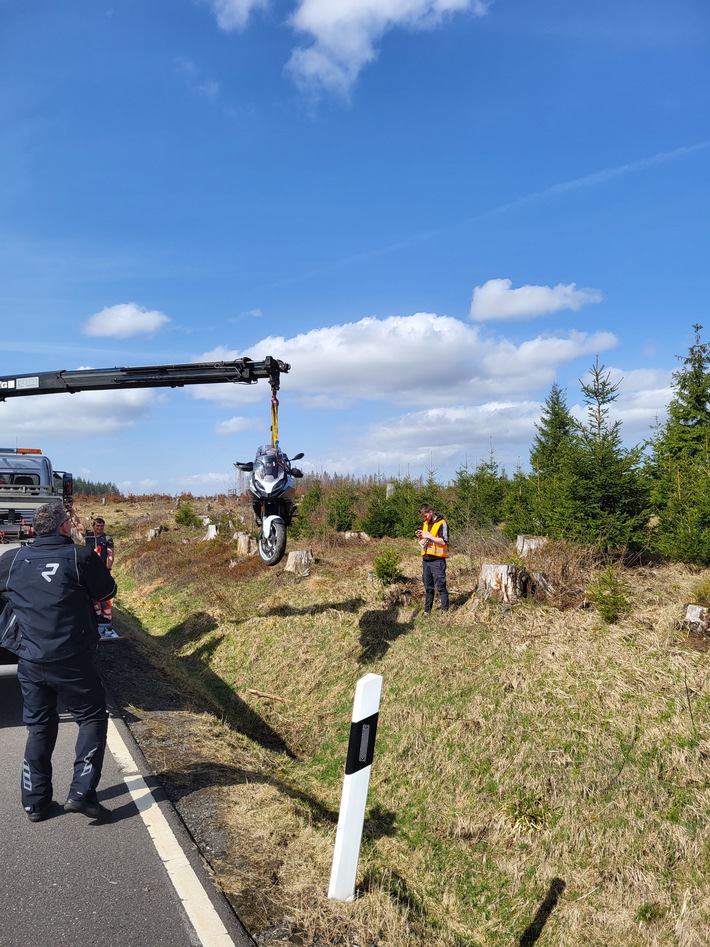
588	180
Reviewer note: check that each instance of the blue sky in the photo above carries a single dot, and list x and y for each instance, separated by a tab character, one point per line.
433	209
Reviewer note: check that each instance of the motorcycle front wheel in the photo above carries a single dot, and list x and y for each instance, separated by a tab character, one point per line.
273	546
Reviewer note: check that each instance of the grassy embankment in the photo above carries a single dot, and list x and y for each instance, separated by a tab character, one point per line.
537	775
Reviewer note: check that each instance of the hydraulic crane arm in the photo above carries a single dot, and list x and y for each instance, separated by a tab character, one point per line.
242	371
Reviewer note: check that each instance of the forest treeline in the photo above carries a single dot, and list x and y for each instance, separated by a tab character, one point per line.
93	488
584	485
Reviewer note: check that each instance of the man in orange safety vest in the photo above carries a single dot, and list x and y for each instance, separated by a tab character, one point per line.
433	540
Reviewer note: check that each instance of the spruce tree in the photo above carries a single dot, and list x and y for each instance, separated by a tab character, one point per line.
555	432
520	505
680	462
603	498
551	447
479	495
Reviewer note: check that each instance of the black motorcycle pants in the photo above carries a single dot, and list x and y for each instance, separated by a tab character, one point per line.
76	684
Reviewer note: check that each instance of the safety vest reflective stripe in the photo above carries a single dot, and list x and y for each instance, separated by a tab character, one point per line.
432	549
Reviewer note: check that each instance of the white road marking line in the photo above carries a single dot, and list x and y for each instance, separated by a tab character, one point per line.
198	907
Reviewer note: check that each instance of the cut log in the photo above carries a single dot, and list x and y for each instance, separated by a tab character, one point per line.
697	618
299	561
528	544
503	583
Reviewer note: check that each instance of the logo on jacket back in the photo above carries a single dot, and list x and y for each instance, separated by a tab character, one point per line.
50	571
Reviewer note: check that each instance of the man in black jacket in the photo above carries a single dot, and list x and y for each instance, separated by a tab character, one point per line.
50	587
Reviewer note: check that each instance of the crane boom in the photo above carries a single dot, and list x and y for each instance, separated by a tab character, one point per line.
242	371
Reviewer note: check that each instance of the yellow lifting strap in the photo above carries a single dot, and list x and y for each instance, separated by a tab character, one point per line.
274	418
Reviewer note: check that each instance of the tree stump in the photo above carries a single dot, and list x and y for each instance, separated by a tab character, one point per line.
211	532
528	544
503	583
540	585
245	544
697	618
299	561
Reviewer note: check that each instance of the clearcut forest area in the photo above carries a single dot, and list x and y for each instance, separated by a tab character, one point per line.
540	772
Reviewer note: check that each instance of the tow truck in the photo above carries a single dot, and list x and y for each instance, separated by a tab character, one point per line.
27	480
26	476
29	477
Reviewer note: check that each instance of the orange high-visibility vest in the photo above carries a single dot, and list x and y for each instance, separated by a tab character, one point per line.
430	549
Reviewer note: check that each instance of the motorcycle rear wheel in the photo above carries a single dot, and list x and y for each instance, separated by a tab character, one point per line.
273	546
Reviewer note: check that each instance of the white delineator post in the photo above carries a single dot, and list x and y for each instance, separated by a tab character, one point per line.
351	820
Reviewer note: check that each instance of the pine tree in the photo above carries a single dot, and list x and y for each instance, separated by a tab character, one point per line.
520	505
479	495
549	454
555	432
603	498
688	429
680	462
396	515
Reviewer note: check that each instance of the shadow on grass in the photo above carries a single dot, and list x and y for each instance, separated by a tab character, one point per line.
401	894
123	664
194	627
181	782
532	932
378	629
397	889
349	605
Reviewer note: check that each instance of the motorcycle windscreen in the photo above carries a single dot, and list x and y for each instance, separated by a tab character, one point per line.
269	464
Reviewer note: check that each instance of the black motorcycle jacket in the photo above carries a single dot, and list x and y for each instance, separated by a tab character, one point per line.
51	586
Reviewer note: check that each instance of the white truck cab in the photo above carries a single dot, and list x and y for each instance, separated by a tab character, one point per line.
27	480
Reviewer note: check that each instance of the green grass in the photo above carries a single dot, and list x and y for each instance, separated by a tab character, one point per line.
518	753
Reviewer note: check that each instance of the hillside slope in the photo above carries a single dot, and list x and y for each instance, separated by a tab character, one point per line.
537	774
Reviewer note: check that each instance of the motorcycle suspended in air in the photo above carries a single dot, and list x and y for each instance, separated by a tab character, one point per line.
272	498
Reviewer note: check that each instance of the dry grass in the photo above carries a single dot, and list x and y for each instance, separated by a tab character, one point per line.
536	770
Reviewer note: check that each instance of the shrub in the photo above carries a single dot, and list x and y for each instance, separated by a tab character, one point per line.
701	593
610	594
186	516
387	567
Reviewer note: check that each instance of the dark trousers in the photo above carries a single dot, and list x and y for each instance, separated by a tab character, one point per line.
76	683
434	578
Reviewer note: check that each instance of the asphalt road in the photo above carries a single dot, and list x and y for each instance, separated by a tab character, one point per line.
136	881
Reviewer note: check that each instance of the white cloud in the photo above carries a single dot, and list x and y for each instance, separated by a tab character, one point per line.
123	321
419	360
536	361
345	34
88	413
138	486
202	480
462	433
236	425
233	14
497	300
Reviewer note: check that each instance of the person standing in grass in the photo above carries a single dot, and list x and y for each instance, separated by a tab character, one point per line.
50	587
97	539
433	540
